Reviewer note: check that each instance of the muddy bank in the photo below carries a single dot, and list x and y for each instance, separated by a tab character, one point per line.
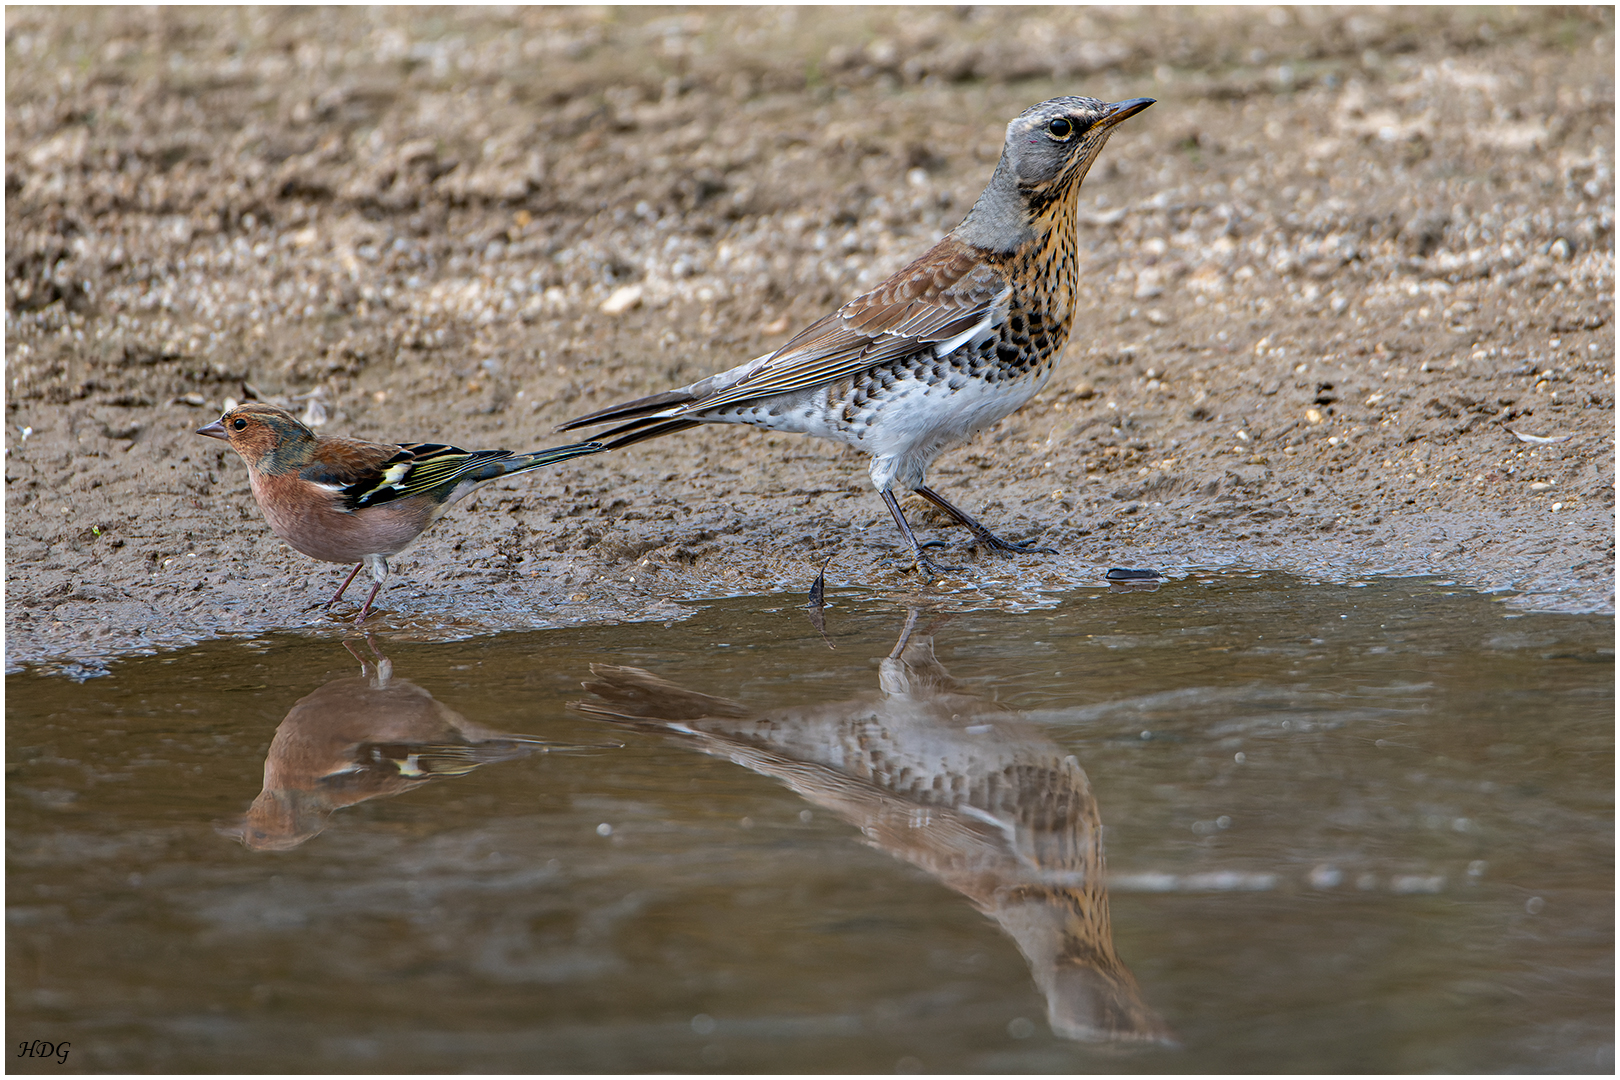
1333	283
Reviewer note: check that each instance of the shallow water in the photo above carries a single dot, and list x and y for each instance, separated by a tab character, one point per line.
1346	829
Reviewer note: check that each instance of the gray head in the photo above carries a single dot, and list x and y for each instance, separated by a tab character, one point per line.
1049	148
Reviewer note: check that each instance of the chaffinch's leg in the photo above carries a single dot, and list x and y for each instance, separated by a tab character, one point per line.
365	665
365	608
346	581
379	573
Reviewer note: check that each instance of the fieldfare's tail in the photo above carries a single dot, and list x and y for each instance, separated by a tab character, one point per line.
638	696
642	430
641	407
661	414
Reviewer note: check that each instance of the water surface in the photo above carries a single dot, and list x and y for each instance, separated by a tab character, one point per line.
1347	829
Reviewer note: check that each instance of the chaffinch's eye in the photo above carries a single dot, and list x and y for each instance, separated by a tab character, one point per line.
1060	128
239	424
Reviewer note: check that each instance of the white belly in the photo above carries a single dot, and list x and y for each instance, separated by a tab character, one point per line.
904	424
923	422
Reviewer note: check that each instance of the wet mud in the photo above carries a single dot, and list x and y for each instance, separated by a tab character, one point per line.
1348	298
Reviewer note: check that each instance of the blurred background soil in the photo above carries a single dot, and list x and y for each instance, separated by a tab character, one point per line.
1331	279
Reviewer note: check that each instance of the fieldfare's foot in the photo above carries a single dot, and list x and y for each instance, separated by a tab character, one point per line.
981	532
1010	547
931	569
921	563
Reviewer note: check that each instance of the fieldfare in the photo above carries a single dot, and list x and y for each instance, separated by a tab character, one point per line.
944	348
955	784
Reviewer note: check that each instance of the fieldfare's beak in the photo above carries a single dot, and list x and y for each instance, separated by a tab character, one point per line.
216	430
1123	110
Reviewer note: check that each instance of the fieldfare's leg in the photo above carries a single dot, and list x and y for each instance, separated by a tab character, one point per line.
923	562
978	529
346	581
905	634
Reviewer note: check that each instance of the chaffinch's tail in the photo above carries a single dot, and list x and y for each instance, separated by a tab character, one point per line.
445	474
421	760
541	458
479	471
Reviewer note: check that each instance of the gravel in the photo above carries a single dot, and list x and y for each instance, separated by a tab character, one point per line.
1348	297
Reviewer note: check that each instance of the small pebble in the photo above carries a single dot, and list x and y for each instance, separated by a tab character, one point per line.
1326	876
623	299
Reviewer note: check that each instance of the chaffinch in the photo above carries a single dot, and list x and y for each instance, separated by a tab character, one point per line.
362	738
351	501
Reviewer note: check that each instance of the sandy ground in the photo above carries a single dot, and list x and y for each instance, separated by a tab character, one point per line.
1332	280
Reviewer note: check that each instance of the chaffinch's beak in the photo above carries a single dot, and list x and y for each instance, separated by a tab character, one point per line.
216	430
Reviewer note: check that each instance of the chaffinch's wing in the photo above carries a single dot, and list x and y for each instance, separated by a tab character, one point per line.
361	474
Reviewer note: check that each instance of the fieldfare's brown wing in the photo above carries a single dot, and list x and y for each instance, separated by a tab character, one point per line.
941	301
945	298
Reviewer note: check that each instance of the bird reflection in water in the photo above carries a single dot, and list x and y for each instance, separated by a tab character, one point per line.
367	737
959	786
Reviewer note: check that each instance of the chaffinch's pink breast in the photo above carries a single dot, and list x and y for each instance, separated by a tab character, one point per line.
311	518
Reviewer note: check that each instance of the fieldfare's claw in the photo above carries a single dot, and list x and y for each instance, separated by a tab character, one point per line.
981	532
1012	547
930	569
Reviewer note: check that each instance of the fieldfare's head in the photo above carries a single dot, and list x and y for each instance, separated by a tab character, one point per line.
1048	150
258	431
1051	145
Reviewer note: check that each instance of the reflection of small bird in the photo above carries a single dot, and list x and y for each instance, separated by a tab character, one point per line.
960	787
350	501
946	347
362	738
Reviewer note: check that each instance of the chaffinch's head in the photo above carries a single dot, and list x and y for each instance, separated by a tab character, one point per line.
268	438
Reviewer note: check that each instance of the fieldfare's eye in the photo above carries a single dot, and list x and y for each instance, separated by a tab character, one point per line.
238	423
1060	128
